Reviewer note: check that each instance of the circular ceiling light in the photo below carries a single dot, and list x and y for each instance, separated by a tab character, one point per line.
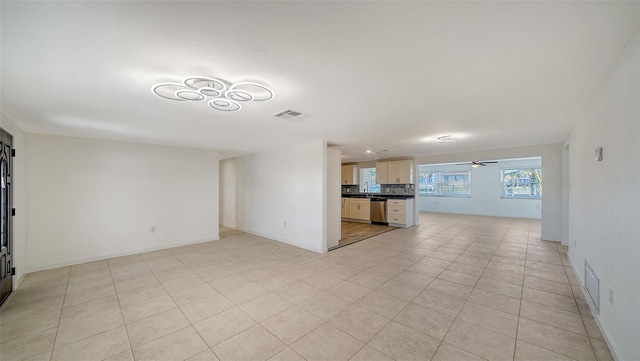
225	105
210	92
196	82
239	95
444	139
190	95
168	91
261	92
226	96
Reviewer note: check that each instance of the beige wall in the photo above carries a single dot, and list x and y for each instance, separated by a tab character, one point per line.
93	199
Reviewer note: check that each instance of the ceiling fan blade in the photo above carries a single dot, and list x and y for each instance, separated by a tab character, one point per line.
488	162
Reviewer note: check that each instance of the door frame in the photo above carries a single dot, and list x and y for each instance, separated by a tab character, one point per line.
8	266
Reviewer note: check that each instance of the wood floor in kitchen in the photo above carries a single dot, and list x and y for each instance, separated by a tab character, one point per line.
354	232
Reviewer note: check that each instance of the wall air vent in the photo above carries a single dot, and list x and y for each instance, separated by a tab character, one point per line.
592	285
289	114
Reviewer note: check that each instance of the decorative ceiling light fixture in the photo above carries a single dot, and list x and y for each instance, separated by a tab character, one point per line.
444	139
219	94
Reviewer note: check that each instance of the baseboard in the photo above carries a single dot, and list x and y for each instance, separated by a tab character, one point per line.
605	332
114	255
18	282
551	238
482	214
291	243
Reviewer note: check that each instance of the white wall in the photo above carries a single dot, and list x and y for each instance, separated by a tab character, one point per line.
92	199
19	182
486	193
334	197
278	194
604	209
551	155
566	160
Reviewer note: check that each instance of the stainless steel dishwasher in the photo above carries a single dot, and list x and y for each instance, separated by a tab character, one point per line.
379	210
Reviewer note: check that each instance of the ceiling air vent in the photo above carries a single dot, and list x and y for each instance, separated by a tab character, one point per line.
289	115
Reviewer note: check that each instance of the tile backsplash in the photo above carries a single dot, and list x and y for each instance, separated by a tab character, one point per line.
350	189
389	189
398	189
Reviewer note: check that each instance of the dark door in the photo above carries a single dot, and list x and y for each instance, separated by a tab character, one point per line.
6	233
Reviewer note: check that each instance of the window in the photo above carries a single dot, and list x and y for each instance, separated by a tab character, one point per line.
445	183
522	183
428	183
368	176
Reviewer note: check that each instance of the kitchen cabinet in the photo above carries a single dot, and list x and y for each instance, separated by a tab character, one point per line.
400	212
394	172
382	170
346	203
349	174
405	171
365	210
356	208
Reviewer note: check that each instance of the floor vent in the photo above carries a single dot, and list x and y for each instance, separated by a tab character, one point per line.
289	114
592	285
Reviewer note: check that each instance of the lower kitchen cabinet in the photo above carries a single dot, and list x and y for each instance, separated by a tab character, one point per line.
346	203
400	212
356	208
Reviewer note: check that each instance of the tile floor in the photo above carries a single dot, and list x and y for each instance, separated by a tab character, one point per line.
454	288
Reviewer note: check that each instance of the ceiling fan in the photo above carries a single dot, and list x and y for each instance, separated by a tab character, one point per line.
476	164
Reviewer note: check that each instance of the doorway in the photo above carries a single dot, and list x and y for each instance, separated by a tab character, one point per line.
6	213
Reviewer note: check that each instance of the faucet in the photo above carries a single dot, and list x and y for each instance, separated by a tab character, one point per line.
366	188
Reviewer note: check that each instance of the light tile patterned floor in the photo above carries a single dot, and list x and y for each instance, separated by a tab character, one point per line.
454	288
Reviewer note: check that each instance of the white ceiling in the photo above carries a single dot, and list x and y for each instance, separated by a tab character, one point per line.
382	75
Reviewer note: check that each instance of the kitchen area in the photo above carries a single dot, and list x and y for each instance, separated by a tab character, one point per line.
376	198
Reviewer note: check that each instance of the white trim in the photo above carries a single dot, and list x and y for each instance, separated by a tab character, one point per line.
17	283
490	214
605	333
291	243
114	255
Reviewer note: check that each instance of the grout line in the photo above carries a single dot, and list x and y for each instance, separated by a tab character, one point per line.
191	324
168	294
120	307
66	286
524	271
408	243
469	295
593	349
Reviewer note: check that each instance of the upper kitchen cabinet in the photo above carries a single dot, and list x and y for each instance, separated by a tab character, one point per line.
382	172
350	174
405	171
394	172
